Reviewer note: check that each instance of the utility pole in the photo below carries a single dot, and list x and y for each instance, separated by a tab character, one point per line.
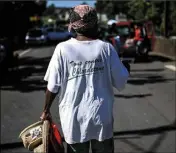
166	17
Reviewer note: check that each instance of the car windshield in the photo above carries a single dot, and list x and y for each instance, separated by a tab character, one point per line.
50	29
58	29
123	30
35	33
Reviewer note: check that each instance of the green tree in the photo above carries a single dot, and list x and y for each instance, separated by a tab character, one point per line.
15	22
150	10
111	7
83	3
50	11
138	9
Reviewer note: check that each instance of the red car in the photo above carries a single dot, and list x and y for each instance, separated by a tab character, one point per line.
129	46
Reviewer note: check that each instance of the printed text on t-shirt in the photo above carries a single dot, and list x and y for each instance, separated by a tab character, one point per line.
85	68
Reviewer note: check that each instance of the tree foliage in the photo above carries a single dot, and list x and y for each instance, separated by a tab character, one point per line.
140	9
83	3
111	7
15	16
50	10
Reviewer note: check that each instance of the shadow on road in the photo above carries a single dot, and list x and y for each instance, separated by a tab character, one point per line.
148	70
148	131
152	149
28	76
132	96
123	136
161	131
141	80
152	58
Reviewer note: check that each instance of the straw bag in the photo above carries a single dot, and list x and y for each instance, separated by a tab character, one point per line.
35	137
42	137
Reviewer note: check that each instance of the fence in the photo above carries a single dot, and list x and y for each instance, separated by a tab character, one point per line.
165	47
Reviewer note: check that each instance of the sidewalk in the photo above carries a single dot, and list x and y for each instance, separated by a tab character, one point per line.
162	55
20	52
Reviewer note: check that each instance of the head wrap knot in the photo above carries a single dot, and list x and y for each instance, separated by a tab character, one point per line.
86	17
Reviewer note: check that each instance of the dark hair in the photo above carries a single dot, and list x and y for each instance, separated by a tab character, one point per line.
89	32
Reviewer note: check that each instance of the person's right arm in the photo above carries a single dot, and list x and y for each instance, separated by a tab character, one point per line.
53	77
119	73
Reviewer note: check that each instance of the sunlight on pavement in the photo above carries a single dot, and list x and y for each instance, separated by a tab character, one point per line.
171	67
24	52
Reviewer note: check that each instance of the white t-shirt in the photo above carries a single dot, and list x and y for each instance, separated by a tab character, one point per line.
85	72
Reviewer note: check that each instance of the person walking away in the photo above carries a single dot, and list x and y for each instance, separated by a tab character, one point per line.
83	72
138	38
113	37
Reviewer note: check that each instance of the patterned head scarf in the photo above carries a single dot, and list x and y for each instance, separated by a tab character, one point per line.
83	17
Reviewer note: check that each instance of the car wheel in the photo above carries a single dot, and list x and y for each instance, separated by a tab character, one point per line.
142	55
3	60
145	53
48	41
3	53
26	46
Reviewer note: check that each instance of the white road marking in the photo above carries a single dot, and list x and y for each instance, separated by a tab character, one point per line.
171	67
24	52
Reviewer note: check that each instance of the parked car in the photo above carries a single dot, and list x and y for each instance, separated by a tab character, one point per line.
36	36
58	34
6	54
3	53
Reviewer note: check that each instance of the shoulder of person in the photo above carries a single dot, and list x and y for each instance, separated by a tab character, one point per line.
64	43
60	47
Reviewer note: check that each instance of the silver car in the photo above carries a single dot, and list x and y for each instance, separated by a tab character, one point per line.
36	36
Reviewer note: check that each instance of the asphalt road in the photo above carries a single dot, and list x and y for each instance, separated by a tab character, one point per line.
144	113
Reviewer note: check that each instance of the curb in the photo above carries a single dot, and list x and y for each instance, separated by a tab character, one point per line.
17	52
162	55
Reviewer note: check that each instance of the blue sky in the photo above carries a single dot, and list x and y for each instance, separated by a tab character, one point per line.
59	3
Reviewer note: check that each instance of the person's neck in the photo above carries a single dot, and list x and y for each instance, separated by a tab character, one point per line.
83	38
